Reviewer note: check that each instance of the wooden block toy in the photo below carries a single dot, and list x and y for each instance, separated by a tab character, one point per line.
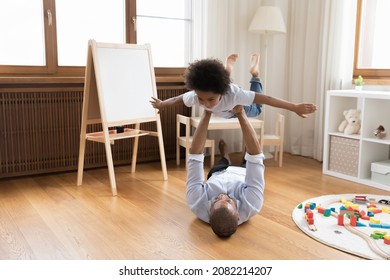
385	210
340	220
360	199
327	212
355	207
300	206
382	233
309	213
386	239
385	225
375	210
374	221
375	236
309	217
321	210
375	225
353	220
358	224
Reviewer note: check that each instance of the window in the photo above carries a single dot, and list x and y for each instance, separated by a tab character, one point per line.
169	29
19	33
50	36
105	24
372	45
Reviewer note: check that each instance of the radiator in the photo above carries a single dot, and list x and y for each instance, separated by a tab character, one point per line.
40	133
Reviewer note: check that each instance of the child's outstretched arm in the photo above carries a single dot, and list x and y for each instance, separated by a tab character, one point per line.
162	104
301	109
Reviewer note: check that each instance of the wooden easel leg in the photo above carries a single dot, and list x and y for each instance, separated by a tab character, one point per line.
162	149
135	149
110	164
80	169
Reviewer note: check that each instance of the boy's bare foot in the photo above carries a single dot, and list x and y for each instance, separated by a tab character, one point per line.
254	69
230	60
223	150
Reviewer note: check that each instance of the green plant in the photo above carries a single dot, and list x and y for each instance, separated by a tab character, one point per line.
359	81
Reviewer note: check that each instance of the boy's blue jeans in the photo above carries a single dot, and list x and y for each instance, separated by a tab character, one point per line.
254	110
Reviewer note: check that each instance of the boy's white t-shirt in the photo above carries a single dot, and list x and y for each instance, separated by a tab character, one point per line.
234	96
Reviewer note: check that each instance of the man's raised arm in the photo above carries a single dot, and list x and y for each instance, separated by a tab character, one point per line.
200	135
250	138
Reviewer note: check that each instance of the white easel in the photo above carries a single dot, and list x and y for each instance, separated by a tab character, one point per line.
119	82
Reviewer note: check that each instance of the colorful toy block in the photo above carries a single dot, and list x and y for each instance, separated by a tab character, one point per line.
375	210
386	239
321	210
353	220
374	221
370	214
340	220
375	236
375	225
381	233
309	213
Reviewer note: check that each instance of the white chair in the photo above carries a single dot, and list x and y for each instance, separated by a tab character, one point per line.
276	139
186	140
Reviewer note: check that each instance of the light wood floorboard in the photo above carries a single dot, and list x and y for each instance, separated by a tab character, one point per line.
49	217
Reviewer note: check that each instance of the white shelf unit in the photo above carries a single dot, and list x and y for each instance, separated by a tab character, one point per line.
357	150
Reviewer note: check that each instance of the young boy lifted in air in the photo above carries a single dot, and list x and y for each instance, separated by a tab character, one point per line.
210	86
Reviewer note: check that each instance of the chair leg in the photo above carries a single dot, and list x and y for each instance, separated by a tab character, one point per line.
187	154
280	155
177	154
276	151
212	155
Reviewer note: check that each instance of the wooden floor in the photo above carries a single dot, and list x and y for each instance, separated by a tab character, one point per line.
49	217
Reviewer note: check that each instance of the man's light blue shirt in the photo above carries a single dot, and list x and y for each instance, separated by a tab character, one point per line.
245	185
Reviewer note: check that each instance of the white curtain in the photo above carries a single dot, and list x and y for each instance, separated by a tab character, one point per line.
320	58
315	55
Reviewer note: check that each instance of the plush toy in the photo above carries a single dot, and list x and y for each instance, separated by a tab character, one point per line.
351	124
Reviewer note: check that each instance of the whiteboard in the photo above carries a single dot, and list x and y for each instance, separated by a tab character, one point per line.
119	83
125	81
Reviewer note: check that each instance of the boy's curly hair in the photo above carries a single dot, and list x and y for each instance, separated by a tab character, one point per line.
207	75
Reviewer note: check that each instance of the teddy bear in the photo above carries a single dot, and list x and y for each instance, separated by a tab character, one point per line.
351	124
